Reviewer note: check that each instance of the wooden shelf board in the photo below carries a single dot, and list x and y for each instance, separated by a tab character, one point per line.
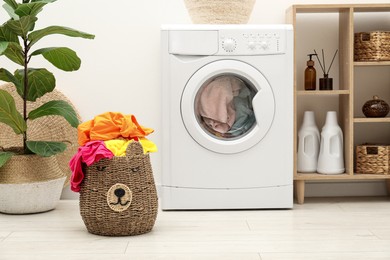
322	92
371	8
335	8
372	120
371	63
344	176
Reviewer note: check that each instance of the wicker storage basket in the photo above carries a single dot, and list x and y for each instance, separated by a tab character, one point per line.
373	46
373	159
118	197
219	11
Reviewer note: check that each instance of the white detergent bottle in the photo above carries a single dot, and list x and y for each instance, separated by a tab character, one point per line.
308	144
331	158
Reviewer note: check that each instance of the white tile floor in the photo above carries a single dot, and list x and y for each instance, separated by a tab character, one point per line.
331	228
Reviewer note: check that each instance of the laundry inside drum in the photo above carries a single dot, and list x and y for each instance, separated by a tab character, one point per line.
223	107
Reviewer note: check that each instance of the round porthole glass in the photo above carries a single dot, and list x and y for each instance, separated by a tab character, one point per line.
223	106
227	106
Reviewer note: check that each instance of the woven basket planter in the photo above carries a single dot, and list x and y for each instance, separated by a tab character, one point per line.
374	159
30	184
219	11
48	128
118	197
373	46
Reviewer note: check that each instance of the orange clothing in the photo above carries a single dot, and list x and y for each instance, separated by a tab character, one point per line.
111	125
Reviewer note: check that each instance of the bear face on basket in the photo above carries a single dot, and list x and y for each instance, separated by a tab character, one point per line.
118	196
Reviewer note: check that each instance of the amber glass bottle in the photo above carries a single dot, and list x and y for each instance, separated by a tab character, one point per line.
310	75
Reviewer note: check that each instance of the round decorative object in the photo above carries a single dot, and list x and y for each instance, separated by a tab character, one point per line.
375	108
119	197
219	11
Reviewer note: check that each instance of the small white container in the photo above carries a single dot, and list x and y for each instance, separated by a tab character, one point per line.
331	157
308	144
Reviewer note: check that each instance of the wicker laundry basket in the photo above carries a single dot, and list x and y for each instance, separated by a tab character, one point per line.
219	11
118	197
373	159
372	46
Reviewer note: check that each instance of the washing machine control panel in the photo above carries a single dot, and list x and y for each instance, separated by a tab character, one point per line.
238	42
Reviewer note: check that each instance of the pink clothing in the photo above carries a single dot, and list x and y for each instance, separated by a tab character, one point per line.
215	103
90	153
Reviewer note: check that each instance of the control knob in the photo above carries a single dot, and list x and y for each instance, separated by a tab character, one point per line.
252	45
229	44
264	45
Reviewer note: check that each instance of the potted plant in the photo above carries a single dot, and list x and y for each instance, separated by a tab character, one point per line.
18	39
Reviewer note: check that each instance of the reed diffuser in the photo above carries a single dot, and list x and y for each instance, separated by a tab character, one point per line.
326	83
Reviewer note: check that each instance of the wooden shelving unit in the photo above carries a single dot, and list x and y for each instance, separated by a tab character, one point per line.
322	92
343	94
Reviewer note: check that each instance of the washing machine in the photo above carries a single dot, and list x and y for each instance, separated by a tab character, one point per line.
227	116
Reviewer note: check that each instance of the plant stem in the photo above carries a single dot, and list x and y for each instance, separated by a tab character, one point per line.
25	92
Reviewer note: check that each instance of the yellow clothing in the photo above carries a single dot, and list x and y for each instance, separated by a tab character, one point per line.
118	146
149	146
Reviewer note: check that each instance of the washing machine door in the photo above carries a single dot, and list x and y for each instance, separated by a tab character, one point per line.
227	106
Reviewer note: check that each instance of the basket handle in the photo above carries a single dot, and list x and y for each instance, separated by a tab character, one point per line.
371	150
365	37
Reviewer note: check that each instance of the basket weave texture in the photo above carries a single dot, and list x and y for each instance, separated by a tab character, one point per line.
219	11
48	128
29	169
373	159
118	197
372	46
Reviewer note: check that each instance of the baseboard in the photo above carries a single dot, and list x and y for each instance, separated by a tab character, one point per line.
312	189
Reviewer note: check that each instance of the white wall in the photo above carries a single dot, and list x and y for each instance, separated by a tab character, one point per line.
121	67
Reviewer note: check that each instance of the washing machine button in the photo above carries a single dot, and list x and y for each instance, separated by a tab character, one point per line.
252	45
229	44
264	45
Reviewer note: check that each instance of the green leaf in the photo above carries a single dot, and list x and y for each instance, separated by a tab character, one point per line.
10	11
38	34
40	82
61	57
29	9
22	26
4	157
9	114
46	149
7	35
11	3
7	76
32	8
56	107
14	52
44	1
3	47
